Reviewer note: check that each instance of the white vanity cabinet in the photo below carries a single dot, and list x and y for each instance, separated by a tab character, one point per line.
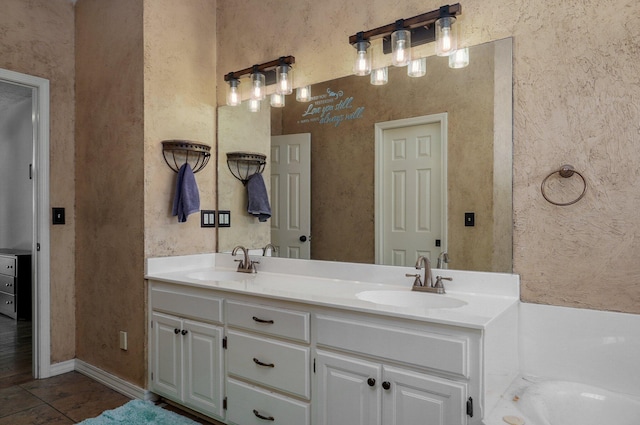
186	361
268	364
378	373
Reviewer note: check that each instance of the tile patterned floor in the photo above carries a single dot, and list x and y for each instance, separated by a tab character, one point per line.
60	400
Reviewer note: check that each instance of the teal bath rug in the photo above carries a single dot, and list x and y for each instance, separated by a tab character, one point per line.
138	412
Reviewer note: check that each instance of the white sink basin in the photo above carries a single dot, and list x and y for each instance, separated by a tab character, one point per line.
410	299
220	275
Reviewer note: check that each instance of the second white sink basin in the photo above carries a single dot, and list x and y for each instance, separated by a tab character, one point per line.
410	299
220	275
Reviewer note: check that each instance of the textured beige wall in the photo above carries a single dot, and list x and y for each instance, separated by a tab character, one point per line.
143	75
37	38
179	103
576	97
110	186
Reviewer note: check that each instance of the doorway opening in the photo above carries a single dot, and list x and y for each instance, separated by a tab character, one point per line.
38	244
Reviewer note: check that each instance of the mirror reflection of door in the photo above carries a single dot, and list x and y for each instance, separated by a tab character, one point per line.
412	191
291	195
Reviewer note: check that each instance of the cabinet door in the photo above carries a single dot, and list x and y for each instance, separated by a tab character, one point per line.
411	398
203	365
166	356
348	390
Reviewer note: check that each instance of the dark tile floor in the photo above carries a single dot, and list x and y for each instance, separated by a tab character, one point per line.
60	400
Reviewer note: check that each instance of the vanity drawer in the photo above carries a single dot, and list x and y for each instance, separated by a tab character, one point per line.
244	400
8	305
269	320
442	352
276	364
187	302
8	266
7	284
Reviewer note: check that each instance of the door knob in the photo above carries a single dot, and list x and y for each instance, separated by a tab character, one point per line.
303	238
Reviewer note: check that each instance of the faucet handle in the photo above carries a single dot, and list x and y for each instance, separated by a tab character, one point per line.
439	280
417	281
241	265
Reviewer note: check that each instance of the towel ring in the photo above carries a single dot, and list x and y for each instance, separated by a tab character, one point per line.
565	171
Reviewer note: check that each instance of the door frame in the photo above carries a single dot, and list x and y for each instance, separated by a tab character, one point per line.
40	260
379	128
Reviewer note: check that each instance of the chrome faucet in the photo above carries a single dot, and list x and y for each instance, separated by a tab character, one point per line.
428	285
245	265
266	247
443	258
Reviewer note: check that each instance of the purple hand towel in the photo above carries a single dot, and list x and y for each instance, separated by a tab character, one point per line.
258	198
187	199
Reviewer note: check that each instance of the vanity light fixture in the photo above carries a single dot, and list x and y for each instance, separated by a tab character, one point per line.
254	105
303	94
417	67
400	36
278	71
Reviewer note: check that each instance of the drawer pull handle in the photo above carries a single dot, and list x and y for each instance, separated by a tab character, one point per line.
371	382
386	385
8	302
264	418
270	322
258	362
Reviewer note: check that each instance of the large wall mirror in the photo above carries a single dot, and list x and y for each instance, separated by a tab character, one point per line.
451	133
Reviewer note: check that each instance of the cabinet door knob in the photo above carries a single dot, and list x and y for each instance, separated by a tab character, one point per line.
176	331
371	382
184	332
258	362
257	319
386	385
8	302
264	418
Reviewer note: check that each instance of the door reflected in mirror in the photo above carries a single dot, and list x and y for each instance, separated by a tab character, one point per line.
380	193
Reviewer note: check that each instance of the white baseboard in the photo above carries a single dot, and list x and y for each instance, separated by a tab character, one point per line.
118	384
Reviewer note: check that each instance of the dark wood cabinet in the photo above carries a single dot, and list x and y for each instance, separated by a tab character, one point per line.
15	283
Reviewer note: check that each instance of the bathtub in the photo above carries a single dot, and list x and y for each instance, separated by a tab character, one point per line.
576	367
564	403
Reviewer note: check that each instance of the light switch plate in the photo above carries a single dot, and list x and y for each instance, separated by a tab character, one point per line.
207	218
224	218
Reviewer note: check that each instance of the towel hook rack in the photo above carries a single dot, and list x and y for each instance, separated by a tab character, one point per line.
243	165
178	152
565	171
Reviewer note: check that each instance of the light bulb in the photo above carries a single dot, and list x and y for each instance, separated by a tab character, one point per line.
284	79
459	58
446	37
362	65
233	94
303	94
254	105
401	47
257	86
277	100
379	76
417	67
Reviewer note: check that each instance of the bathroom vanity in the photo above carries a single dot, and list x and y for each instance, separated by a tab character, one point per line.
327	343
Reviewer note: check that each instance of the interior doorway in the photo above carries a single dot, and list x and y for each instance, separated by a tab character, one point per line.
38	245
411	189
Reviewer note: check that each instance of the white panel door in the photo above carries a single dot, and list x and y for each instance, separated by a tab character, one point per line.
411	195
167	355
203	381
348	390
291	195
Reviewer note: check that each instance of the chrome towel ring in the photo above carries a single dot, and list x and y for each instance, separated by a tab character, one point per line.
565	171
